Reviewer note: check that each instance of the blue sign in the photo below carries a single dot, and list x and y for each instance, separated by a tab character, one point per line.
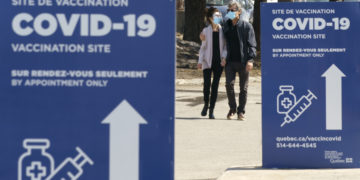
87	89
310	80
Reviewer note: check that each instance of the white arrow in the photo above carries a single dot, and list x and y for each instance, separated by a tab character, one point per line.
124	123
333	77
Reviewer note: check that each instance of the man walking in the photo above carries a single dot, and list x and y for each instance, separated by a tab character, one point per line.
241	47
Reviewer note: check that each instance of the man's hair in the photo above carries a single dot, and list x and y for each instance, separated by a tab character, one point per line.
231	3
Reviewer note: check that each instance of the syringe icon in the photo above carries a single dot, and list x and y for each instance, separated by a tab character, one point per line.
301	105
71	168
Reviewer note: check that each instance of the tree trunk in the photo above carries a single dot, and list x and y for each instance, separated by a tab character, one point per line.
256	22
179	4
194	19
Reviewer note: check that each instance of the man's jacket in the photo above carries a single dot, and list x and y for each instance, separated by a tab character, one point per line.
246	40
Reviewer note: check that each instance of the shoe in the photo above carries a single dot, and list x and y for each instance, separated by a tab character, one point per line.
241	117
230	114
211	114
204	111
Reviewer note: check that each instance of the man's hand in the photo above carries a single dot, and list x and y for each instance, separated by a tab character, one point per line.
202	37
199	66
249	66
223	62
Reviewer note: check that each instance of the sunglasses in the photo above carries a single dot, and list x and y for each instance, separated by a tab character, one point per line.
233	10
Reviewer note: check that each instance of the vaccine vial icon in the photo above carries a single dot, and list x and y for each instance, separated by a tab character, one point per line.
35	163
286	99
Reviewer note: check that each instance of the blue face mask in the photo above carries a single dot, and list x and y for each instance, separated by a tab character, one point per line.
231	15
217	20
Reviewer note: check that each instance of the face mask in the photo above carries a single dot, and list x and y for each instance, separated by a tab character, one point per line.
231	15
217	20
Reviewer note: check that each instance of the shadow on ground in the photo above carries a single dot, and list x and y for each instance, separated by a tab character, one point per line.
194	101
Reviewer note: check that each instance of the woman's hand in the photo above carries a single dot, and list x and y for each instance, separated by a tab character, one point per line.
202	37
199	66
223	62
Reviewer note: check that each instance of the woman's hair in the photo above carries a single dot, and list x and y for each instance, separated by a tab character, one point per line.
209	14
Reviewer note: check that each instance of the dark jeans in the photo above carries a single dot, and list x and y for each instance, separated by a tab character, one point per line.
231	69
217	71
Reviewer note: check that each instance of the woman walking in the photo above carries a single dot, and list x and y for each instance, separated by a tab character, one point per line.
212	57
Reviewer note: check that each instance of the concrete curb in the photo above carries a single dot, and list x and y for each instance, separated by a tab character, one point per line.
199	81
257	173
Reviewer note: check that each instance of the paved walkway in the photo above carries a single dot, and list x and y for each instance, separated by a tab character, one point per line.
205	148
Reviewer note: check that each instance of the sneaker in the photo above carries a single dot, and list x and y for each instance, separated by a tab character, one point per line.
230	114
241	117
